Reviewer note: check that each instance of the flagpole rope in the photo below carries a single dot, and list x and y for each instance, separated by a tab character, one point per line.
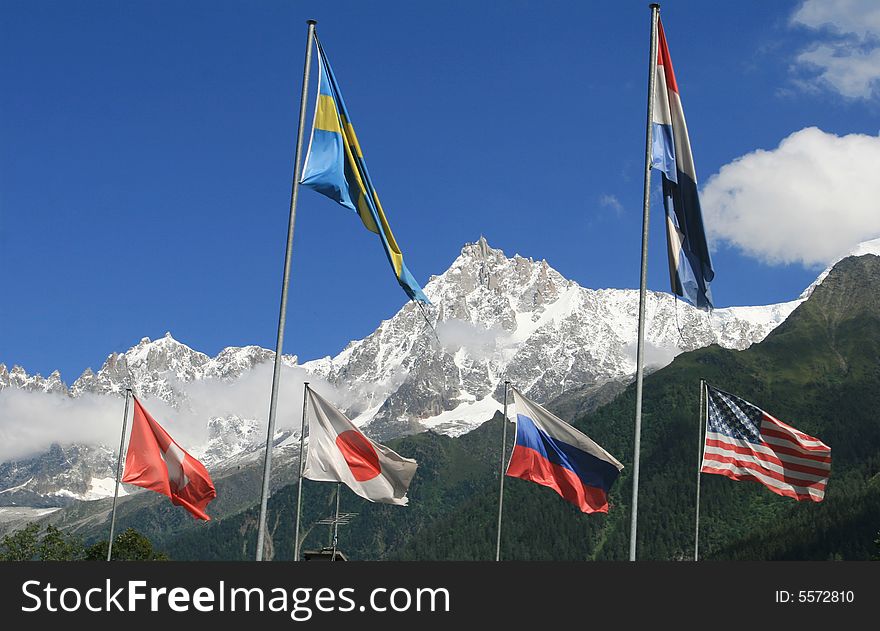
128	395
336	522
709	318
677	325
701	417
428	322
501	483
299	478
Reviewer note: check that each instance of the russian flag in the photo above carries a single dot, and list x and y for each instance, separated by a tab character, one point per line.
690	267
550	452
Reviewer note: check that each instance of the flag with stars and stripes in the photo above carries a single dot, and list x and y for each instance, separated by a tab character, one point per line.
743	442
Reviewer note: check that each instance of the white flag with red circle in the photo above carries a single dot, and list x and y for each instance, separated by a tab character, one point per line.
339	452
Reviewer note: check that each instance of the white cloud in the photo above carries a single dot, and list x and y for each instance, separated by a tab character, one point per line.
246	397
852	73
656	357
477	341
611	201
808	201
859	17
30	422
848	60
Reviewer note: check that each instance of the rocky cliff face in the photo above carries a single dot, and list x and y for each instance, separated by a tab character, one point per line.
493	318
500	318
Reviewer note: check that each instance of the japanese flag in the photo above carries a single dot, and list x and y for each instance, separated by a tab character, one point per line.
339	452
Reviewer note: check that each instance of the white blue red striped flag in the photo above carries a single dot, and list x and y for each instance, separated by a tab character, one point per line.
550	452
743	442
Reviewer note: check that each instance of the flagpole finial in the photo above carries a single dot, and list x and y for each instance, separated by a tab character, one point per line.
654	5
313	22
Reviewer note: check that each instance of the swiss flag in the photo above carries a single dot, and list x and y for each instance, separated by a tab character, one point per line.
154	461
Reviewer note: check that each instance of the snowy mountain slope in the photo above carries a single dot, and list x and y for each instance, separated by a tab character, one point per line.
161	368
865	247
59	476
496	317
164	370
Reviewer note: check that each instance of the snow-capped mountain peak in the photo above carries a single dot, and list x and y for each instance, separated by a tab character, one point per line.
493	318
871	246
500	317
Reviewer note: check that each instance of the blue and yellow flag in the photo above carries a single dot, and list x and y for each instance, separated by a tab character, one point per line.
335	167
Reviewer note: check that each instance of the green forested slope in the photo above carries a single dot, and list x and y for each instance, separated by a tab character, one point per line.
819	371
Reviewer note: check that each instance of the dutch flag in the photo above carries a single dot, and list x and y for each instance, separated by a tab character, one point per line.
690	268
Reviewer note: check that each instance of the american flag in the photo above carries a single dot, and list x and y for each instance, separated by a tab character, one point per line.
743	442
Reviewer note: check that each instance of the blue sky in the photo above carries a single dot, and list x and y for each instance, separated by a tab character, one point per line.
146	153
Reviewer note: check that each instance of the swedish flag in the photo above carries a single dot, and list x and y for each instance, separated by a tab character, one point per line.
335	167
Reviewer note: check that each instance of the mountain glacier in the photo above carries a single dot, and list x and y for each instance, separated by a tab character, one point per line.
500	318
493	318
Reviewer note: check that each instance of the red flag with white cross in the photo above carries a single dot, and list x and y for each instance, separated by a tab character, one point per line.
154	461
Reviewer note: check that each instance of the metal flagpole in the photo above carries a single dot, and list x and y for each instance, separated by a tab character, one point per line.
702	418
501	487
640	352
336	521
273	401
302	467
118	473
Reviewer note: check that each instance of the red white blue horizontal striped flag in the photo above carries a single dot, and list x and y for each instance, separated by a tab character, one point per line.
550	452
690	266
743	442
